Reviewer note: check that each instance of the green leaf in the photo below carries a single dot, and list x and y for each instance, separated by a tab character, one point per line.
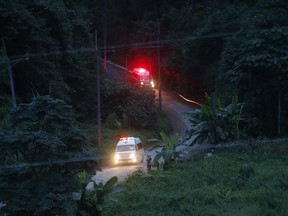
110	183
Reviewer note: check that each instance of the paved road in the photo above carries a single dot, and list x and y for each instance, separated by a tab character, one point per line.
122	171
176	108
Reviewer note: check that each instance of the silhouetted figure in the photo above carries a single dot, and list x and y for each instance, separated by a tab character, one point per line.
149	162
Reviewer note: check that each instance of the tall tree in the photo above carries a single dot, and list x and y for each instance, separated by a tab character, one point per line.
256	65
60	44
44	153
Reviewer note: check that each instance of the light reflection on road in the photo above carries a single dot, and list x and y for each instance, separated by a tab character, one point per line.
122	171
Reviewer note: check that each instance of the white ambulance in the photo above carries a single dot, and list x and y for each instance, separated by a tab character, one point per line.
129	150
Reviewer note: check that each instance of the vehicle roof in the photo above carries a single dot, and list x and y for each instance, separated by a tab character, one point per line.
128	141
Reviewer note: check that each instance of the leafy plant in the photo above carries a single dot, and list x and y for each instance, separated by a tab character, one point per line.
168	150
169	143
92	201
216	123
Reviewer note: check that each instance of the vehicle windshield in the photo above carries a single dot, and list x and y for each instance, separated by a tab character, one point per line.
144	77
125	148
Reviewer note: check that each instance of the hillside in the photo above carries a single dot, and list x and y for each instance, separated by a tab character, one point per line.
238	181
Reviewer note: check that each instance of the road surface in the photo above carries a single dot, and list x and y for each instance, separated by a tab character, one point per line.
121	171
175	107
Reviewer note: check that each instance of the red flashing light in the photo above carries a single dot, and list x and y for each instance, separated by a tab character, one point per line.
141	70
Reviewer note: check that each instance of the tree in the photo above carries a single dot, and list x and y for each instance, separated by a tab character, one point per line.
255	65
131	103
54	35
43	148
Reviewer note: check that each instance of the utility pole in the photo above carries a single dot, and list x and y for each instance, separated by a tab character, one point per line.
10	75
158	64
98	95
105	36
126	65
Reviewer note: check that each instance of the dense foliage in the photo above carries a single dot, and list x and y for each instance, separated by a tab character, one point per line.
231	47
52	34
134	106
42	153
255	66
215	123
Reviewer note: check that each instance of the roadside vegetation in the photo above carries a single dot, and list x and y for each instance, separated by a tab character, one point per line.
215	122
47	158
116	126
42	154
238	181
236	51
229	47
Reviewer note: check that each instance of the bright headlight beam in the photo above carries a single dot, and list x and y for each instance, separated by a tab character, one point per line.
190	101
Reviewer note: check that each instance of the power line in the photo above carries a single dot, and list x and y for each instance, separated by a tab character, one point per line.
51	163
147	44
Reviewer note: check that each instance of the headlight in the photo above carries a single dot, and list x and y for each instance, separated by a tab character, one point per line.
132	155
116	159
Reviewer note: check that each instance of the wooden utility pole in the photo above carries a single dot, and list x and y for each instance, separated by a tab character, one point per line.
10	75
158	64
98	95
105	38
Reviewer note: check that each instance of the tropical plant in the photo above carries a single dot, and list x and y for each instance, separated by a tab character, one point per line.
169	143
216	123
92	201
168	150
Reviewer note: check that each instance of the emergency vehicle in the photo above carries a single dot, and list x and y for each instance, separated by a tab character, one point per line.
143	77
129	150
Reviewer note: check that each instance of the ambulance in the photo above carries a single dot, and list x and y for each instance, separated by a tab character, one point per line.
129	150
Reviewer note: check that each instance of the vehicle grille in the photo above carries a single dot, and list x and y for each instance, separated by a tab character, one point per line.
124	155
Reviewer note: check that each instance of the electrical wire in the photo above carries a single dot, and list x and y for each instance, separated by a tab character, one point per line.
51	163
146	44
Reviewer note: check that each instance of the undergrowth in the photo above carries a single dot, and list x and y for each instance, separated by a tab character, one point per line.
231	182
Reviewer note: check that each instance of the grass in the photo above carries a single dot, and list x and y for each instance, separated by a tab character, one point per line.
231	182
